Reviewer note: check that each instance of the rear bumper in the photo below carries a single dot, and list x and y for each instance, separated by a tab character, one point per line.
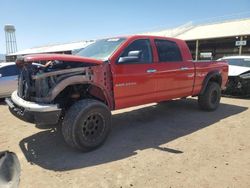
33	112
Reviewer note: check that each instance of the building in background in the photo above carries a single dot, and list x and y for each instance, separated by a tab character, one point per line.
213	40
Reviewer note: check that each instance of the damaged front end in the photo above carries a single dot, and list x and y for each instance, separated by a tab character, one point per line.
47	88
238	85
38	81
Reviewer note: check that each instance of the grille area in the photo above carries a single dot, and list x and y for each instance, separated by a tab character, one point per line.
25	84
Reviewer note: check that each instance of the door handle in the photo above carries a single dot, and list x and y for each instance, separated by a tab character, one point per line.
184	68
151	70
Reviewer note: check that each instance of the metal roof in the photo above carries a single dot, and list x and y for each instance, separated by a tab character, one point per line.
173	32
54	48
218	30
208	31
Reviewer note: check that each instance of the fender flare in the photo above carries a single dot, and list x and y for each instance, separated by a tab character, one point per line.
72	81
215	76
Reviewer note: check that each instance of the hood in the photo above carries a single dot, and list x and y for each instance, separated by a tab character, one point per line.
237	70
59	57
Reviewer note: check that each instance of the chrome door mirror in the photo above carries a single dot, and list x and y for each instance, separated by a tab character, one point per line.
133	56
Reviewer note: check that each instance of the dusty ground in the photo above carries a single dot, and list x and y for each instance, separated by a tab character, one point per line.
160	145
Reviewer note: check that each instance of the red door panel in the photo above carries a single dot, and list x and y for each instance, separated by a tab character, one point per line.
134	82
134	85
174	76
174	80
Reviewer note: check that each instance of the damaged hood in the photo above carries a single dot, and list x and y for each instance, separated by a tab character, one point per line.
237	70
59	57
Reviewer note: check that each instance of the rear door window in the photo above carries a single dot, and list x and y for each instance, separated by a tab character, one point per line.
168	51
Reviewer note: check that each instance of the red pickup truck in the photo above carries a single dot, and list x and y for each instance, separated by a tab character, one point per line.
81	90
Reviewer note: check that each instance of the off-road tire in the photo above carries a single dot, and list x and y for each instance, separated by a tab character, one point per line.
210	99
86	124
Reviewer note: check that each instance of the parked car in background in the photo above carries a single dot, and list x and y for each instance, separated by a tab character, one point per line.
238	75
8	78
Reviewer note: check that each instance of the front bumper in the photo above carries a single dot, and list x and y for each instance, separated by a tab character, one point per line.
237	86
33	112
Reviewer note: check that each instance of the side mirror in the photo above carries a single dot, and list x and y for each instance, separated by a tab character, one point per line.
135	53
133	56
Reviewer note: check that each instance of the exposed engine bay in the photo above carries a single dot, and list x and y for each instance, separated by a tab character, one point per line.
45	81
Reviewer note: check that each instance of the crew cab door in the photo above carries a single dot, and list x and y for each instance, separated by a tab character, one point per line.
134	81
174	76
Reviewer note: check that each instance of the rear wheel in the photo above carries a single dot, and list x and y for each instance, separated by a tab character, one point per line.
86	125
210	100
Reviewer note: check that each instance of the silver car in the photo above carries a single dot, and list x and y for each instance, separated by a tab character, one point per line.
8	78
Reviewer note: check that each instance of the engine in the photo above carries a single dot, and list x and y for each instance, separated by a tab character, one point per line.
37	79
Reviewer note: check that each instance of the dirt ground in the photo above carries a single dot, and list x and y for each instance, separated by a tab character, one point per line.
173	144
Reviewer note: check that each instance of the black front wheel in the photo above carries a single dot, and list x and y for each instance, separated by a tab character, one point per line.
210	100
86	125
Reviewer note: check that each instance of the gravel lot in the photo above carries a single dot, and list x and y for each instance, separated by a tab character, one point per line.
171	144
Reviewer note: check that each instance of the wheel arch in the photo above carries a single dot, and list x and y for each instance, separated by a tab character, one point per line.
92	91
96	90
214	76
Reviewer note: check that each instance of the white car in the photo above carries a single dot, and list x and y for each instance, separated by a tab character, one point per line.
8	78
238	75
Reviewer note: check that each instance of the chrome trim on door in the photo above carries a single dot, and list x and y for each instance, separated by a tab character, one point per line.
151	70
184	68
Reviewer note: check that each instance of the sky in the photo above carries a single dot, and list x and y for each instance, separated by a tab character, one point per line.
41	22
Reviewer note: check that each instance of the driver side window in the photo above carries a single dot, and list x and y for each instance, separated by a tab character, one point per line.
143	47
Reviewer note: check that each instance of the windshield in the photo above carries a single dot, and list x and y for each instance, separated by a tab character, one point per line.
101	49
239	62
